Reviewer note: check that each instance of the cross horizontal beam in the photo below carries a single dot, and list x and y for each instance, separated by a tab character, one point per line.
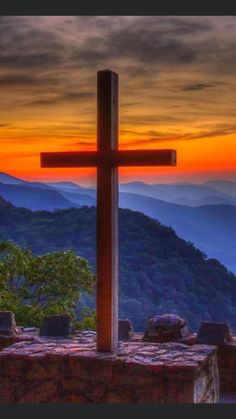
112	158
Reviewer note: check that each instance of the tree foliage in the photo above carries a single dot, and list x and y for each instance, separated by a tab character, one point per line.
34	286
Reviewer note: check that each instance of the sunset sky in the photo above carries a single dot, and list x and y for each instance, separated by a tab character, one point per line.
177	90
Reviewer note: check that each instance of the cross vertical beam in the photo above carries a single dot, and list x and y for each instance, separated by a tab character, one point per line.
107	213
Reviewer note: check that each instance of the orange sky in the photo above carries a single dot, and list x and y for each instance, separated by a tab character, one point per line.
177	90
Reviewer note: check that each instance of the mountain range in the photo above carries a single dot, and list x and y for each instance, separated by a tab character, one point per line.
211	228
184	193
159	272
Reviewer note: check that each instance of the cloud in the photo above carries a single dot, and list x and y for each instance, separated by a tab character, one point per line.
67	96
142	133
5	125
147	46
84	143
148	120
219	131
47	42
23	46
163	62
40	43
181	26
198	86
23	79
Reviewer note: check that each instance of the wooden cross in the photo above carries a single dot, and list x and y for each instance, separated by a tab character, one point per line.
107	159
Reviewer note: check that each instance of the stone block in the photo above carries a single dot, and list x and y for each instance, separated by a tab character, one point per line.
126	330
55	326
214	333
8	323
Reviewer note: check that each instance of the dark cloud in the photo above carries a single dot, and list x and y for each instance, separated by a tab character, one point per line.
24	79
148	119
129	103
219	131
25	43
4	125
24	47
140	44
147	46
198	86
30	60
54	60
77	95
67	96
146	40
91	52
142	133
83	143
184	27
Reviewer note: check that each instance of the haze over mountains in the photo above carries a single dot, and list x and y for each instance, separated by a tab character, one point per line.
203	214
185	193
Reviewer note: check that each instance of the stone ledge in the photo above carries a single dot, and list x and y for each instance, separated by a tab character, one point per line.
66	371
6	340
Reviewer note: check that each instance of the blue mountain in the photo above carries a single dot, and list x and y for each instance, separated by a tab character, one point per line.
183	193
211	228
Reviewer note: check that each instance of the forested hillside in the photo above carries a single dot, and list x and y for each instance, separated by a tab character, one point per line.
159	272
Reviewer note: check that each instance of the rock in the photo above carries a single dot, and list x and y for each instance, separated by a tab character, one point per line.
55	326
20	329
126	330
8	324
214	333
30	330
166	328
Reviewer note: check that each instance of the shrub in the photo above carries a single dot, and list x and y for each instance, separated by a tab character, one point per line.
35	286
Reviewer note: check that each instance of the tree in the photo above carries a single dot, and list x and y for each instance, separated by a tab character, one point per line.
35	286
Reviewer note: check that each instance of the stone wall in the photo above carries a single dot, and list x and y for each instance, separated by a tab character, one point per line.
226	359
63	371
